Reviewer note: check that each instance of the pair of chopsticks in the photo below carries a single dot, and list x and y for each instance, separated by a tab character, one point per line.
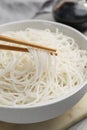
20	42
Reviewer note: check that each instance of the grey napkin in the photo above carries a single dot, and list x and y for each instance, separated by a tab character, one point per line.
14	10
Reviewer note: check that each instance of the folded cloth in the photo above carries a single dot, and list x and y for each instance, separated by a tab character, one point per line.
14	10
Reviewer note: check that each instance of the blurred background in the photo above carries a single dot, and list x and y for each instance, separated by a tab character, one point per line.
70	12
14	10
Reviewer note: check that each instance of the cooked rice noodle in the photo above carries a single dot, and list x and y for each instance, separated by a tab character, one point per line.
38	77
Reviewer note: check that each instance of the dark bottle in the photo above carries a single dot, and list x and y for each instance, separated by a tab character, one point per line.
71	13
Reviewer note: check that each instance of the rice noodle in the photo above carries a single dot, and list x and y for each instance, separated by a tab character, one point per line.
38	77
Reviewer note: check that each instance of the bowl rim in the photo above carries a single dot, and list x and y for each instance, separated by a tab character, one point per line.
57	100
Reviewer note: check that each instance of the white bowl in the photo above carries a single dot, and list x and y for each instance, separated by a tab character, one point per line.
52	109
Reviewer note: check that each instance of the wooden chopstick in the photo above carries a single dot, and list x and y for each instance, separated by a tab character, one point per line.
20	49
13	48
20	42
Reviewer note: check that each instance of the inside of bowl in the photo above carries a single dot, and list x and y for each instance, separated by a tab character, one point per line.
39	24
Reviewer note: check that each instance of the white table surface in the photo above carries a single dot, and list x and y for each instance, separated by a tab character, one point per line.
82	125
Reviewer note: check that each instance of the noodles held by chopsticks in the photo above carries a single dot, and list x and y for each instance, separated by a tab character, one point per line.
38	77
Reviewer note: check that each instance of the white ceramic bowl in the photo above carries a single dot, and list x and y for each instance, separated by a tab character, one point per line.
52	109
